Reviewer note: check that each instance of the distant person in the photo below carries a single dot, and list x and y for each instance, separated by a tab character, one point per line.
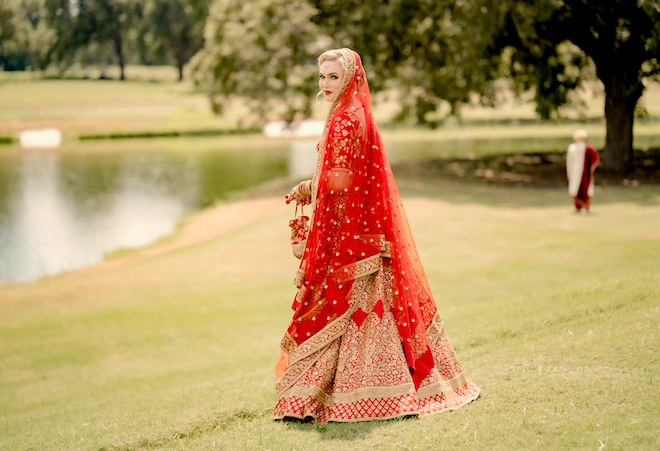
366	341
581	162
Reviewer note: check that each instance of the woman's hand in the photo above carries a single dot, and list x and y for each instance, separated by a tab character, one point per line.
294	195
301	193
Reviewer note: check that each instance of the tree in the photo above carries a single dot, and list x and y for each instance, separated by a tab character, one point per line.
621	37
7	32
261	50
448	50
24	36
412	41
422	45
176	26
7	27
78	23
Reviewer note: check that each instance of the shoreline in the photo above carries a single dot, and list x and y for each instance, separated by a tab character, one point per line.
241	210
259	202
196	228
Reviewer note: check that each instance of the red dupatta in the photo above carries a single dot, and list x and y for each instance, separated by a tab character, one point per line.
359	224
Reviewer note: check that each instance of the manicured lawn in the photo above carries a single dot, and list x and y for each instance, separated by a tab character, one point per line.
555	315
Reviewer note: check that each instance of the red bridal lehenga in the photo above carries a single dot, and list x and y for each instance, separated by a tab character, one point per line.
366	341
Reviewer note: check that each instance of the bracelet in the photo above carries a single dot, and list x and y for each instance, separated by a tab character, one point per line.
305	188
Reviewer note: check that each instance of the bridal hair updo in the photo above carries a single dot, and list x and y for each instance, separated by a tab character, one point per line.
334	55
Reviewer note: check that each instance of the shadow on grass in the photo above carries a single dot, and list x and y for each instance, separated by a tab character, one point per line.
343	431
524	180
540	182
219	421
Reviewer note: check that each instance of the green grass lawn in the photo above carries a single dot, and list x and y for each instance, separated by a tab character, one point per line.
555	315
79	107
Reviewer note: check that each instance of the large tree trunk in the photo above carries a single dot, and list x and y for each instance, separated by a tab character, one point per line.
620	101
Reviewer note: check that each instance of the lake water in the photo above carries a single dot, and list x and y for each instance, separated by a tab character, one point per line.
67	208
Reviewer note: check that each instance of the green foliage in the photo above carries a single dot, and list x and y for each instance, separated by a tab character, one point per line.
620	37
24	35
175	28
262	50
416	45
81	23
442	58
7	27
406	40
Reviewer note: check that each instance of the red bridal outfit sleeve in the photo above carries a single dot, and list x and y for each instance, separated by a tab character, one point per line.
344	148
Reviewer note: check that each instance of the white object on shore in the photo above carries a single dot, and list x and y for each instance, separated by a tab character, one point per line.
49	138
298	129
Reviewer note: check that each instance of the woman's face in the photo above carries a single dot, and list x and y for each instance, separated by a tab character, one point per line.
331	73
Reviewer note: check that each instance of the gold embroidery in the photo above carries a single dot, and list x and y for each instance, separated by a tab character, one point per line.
441	386
353	372
374	393
299	279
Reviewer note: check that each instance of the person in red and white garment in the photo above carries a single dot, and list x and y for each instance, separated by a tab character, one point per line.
581	162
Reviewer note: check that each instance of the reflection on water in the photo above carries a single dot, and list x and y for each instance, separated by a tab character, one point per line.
65	210
63	217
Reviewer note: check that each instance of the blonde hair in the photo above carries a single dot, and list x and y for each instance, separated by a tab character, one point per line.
580	135
334	55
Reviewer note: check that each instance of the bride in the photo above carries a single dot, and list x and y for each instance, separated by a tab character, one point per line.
366	341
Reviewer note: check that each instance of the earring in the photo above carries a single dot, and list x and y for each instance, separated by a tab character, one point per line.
318	102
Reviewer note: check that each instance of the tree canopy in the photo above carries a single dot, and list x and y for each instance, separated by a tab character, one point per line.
620	37
24	37
444	51
142	31
7	26
176	28
262	50
79	23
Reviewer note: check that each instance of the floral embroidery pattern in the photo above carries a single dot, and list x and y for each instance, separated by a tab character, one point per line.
358	374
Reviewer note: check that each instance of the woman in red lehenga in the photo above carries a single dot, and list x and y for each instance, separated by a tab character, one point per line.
366	341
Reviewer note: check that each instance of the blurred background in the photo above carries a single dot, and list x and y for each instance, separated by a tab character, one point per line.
120	117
